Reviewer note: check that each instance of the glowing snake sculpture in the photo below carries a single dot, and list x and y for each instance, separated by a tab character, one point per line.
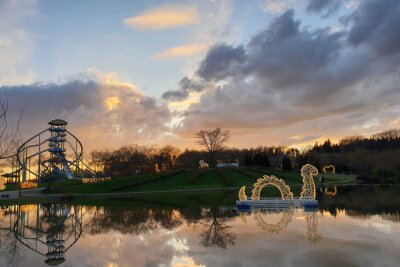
308	172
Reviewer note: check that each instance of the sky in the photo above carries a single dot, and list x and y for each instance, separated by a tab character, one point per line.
273	72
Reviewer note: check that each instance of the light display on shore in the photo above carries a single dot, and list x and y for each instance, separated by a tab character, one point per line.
28	185
325	169
308	172
2	183
95	180
203	165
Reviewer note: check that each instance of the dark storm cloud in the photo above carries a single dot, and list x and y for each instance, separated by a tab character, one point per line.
283	50
219	60
99	112
186	86
376	23
326	7
288	75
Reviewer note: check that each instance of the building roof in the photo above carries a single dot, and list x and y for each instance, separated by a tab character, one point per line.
58	122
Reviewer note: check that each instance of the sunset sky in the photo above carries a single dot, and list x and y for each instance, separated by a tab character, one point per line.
273	72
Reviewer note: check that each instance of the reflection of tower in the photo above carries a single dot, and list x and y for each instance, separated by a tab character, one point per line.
312	227
51	231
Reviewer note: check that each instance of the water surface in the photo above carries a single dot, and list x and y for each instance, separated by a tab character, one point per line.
359	226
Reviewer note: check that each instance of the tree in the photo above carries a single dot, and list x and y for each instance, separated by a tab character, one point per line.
213	141
9	130
168	155
217	234
286	164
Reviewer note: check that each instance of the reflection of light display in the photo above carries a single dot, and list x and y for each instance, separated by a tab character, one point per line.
331	193
308	172
329	167
203	165
271	180
274	228
311	219
312	227
95	180
243	217
28	185
2	185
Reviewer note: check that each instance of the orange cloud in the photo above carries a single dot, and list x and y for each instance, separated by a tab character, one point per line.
180	51
162	18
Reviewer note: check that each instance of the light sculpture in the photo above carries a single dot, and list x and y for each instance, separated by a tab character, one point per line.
203	165
28	185
95	180
329	167
308	172
2	183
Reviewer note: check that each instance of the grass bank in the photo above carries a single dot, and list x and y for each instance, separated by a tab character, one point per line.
196	179
223	179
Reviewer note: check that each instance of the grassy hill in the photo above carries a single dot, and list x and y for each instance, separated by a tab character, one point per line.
192	179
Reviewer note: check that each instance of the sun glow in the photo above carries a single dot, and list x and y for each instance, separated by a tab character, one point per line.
112	102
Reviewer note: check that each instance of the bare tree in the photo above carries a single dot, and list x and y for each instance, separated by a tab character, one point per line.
213	141
9	130
217	234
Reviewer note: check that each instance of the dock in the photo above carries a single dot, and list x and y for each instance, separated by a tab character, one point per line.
275	203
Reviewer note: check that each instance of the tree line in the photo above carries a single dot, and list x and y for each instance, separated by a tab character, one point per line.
374	158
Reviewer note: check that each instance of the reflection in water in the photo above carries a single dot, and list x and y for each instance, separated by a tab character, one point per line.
49	230
274	228
311	218
155	235
312	227
216	233
9	248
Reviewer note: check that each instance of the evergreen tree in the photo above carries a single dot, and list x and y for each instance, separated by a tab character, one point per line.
286	164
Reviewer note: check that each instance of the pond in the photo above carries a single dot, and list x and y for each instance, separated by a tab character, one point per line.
355	226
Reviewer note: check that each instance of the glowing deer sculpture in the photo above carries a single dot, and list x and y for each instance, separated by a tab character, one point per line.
203	165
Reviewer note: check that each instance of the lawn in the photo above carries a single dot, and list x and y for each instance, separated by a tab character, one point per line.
188	179
193	179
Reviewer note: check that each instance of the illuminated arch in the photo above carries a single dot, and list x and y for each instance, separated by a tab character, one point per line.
274	228
274	181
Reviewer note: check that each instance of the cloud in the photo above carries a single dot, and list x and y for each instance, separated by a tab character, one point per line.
16	42
376	24
163	18
290	80
186	85
278	6
180	51
220	60
326	7
101	110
